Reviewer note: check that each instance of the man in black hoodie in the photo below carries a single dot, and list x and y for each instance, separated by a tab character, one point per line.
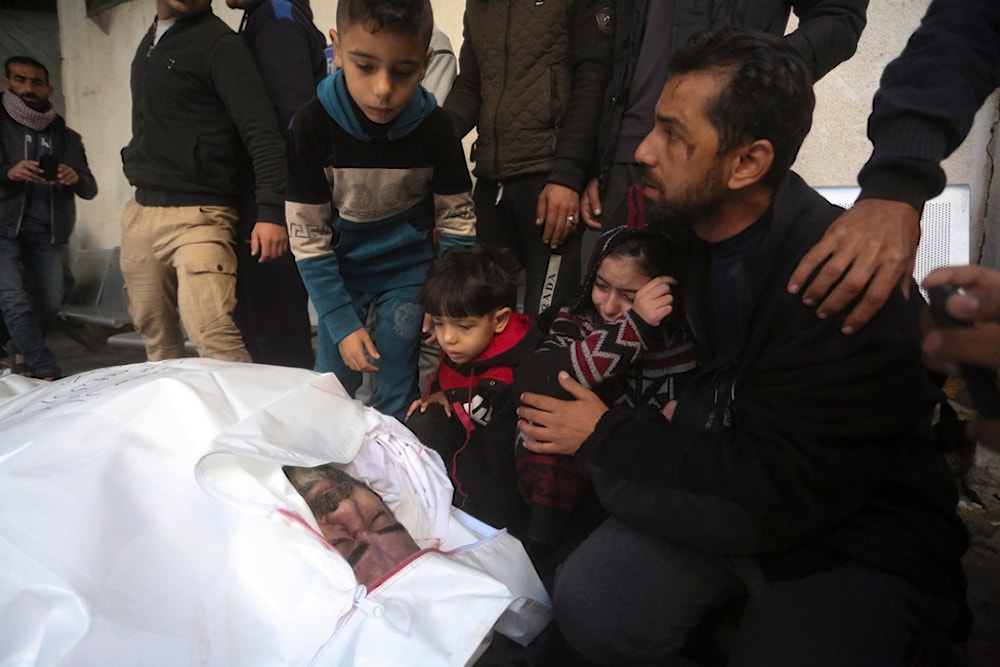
198	105
272	303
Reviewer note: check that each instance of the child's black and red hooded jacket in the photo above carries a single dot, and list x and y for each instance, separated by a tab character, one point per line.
477	441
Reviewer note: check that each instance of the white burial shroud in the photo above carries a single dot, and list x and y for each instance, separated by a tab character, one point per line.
144	519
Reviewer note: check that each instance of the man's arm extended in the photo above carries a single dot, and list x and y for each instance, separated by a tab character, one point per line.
924	108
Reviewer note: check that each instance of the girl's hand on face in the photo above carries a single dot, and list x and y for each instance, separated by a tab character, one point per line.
654	301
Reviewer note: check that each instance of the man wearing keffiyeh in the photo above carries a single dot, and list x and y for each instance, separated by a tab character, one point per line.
37	209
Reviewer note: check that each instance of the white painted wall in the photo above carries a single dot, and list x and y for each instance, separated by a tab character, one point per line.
97	54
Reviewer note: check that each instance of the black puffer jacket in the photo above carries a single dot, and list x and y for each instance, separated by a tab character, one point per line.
532	76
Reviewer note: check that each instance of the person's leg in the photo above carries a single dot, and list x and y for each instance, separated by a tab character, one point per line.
625	597
551	277
150	284
44	273
505	217
5	341
18	312
493	226
850	615
364	392
198	243
44	270
398	318
272	311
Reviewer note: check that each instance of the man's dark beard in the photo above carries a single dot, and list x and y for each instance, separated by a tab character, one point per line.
670	217
34	102
691	208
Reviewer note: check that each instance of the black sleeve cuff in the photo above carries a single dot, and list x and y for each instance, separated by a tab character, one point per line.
271	213
901	179
568	173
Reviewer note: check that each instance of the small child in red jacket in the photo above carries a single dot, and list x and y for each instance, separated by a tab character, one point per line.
467	414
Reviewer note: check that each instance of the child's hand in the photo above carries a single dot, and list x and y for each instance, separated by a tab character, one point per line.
437	397
429	330
653	302
356	348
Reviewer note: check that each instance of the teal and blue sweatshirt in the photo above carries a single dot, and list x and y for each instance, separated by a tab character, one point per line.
367	203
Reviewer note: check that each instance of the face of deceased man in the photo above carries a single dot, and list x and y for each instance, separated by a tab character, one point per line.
354	520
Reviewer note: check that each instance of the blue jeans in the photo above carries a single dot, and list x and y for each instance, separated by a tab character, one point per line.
31	292
396	334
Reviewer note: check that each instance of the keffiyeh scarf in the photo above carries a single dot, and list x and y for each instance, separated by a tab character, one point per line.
25	115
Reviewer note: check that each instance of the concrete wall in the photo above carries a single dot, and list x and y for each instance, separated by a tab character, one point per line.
97	53
33	34
838	147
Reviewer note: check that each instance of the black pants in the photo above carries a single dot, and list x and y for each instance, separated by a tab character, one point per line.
272	310
509	222
626	597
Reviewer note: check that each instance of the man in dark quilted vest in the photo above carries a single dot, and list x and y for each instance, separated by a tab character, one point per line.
532	77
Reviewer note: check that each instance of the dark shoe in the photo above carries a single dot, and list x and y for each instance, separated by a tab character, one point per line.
26	371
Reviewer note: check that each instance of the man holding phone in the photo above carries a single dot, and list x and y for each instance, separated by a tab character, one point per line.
43	166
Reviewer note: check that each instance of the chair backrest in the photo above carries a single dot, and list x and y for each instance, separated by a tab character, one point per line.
90	269
113	298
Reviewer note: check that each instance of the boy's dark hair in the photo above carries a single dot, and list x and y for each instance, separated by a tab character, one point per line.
470	281
768	94
24	60
408	17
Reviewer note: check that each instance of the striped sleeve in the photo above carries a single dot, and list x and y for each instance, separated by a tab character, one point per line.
308	214
454	214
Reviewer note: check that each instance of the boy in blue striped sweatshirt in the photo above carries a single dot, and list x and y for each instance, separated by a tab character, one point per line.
377	178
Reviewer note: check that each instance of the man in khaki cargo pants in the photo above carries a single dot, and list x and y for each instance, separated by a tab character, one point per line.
197	101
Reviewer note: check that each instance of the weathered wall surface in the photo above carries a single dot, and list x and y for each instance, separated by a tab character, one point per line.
837	147
97	53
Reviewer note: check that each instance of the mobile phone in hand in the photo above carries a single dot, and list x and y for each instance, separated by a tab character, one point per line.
981	381
50	167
